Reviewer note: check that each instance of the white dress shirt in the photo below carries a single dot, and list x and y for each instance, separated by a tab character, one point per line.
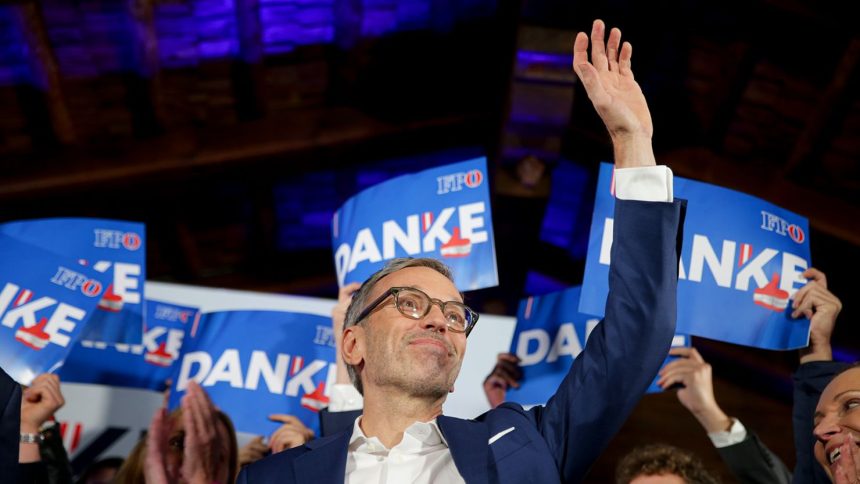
423	456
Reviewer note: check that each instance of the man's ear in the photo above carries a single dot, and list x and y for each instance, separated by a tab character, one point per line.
352	347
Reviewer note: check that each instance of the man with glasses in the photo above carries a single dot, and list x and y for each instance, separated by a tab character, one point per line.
405	332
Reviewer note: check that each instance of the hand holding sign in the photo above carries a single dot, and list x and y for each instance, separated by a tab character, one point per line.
40	401
506	374
38	404
338	316
822	307
292	433
616	96
697	394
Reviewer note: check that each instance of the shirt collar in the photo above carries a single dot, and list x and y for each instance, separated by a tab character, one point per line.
425	433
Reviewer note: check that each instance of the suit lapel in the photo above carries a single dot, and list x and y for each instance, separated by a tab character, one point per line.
325	461
467	440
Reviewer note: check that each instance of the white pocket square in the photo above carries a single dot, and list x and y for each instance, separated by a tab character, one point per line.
500	435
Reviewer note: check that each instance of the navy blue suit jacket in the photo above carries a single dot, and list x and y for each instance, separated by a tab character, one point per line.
557	442
10	427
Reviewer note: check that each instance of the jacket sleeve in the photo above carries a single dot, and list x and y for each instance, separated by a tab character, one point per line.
625	351
750	461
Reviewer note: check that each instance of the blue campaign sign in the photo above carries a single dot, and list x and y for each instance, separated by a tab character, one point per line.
112	246
46	300
740	265
550	334
148	365
256	363
442	212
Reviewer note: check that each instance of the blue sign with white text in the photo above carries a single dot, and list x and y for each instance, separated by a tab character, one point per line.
148	365
257	363
46	301
741	264
443	213
114	247
550	334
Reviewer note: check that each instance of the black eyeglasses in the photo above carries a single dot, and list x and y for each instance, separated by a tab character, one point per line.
415	304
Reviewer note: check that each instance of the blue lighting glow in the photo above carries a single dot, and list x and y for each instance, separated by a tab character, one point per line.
99	37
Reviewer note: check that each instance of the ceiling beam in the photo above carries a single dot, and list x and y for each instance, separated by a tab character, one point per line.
44	65
829	113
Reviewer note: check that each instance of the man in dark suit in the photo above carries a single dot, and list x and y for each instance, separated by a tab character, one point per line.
10	405
405	337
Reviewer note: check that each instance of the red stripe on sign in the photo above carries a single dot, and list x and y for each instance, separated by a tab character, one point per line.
745	254
77	438
194	326
24	297
63	426
529	307
426	220
298	363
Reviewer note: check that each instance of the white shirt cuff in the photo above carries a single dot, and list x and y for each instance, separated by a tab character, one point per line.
343	398
644	184
735	435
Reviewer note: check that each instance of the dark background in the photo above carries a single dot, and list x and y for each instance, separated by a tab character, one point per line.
234	129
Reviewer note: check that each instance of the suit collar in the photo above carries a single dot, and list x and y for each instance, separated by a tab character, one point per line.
325	463
467	440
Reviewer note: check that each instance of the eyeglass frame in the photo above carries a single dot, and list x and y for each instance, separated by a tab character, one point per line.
393	291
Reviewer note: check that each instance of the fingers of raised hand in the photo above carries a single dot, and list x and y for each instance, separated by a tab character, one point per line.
598	49
624	60
612	48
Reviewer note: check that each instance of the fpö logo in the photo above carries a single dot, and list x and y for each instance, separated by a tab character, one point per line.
775	223
116	239
74	280
456	181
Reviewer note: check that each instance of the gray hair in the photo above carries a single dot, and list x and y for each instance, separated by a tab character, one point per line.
359	299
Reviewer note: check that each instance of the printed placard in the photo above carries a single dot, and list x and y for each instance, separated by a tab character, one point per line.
115	247
46	300
550	333
147	365
257	363
740	265
443	213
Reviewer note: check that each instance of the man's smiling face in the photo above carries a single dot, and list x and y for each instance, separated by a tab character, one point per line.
420	357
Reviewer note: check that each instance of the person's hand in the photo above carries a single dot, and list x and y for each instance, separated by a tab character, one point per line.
697	395
608	80
292	433
338	315
39	402
155	467
203	461
253	451
847	469
821	307
507	373
201	442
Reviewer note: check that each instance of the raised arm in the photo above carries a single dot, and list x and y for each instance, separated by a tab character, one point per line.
625	351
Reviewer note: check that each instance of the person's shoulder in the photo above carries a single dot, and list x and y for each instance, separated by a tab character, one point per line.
280	467
276	467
